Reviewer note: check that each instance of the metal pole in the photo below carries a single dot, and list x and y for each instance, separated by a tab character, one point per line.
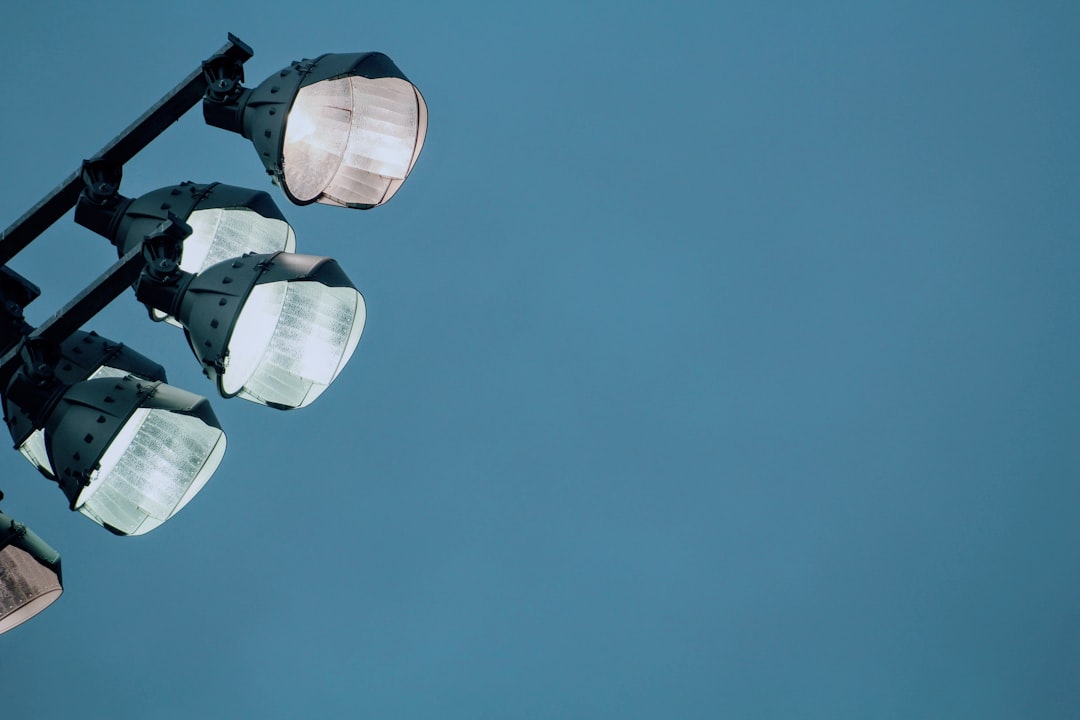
82	307
122	148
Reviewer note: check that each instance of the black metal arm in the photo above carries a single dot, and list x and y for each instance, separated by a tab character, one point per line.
82	308
122	148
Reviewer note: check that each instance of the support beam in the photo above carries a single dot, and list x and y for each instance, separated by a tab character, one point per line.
84	306
122	148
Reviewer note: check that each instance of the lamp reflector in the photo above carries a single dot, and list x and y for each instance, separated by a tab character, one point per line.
219	234
291	340
33	449
156	463
352	141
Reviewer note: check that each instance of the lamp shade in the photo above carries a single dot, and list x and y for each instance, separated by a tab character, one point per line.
30	578
274	329
130	454
342	129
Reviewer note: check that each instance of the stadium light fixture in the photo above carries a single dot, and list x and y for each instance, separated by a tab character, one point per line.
272	328
342	129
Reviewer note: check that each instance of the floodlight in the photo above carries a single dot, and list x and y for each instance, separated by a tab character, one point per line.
128	453
275	329
30	578
342	129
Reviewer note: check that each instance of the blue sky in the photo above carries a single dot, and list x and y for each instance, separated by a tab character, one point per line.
721	361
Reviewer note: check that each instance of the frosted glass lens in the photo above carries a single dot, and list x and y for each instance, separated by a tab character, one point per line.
353	140
26	587
33	448
158	461
219	234
291	340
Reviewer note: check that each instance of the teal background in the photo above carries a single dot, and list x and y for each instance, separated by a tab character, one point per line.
721	363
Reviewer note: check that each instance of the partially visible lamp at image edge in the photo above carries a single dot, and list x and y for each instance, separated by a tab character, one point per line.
30	578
